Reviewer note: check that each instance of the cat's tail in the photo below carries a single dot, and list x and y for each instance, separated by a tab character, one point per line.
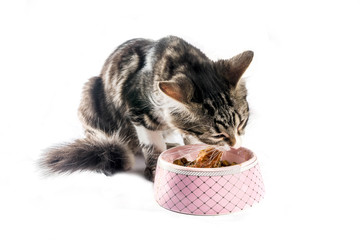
107	156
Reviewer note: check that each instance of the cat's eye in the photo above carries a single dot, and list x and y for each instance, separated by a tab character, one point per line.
221	135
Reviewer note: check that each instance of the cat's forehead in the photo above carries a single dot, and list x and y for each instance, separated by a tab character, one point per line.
219	99
216	105
224	104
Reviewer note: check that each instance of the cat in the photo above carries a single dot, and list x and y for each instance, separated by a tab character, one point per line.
145	89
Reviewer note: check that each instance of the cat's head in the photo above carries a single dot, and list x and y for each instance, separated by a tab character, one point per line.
210	98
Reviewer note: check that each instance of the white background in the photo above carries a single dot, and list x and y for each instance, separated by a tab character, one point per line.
303	92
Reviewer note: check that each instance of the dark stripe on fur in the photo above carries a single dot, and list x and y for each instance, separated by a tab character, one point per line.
154	121
221	99
217	129
107	157
221	123
229	102
233	118
195	132
245	123
94	107
210	109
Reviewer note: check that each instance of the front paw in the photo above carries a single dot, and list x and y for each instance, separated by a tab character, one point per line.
149	174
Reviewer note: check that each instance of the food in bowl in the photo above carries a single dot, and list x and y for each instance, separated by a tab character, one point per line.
209	157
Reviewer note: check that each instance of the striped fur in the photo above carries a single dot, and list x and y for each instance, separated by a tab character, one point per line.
147	88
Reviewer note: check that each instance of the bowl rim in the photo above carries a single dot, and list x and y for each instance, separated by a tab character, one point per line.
207	171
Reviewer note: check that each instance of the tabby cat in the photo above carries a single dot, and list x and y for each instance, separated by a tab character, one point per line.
149	88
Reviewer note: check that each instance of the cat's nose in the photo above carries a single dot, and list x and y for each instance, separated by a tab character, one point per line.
235	141
232	141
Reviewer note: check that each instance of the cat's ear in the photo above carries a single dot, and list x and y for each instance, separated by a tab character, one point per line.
233	68
181	91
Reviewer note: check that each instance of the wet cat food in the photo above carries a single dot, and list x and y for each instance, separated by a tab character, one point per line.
181	161
207	158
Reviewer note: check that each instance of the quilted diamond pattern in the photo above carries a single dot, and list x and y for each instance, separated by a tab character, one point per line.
208	195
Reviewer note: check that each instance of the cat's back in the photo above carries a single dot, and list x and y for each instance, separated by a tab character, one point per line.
128	57
140	53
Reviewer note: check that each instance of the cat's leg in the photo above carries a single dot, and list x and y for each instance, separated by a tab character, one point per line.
152	144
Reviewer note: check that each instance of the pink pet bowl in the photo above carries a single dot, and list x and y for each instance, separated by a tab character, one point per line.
207	191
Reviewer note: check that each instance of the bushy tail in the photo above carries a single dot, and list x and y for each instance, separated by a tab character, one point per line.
106	156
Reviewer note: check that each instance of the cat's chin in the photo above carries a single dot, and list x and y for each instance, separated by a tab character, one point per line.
225	148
